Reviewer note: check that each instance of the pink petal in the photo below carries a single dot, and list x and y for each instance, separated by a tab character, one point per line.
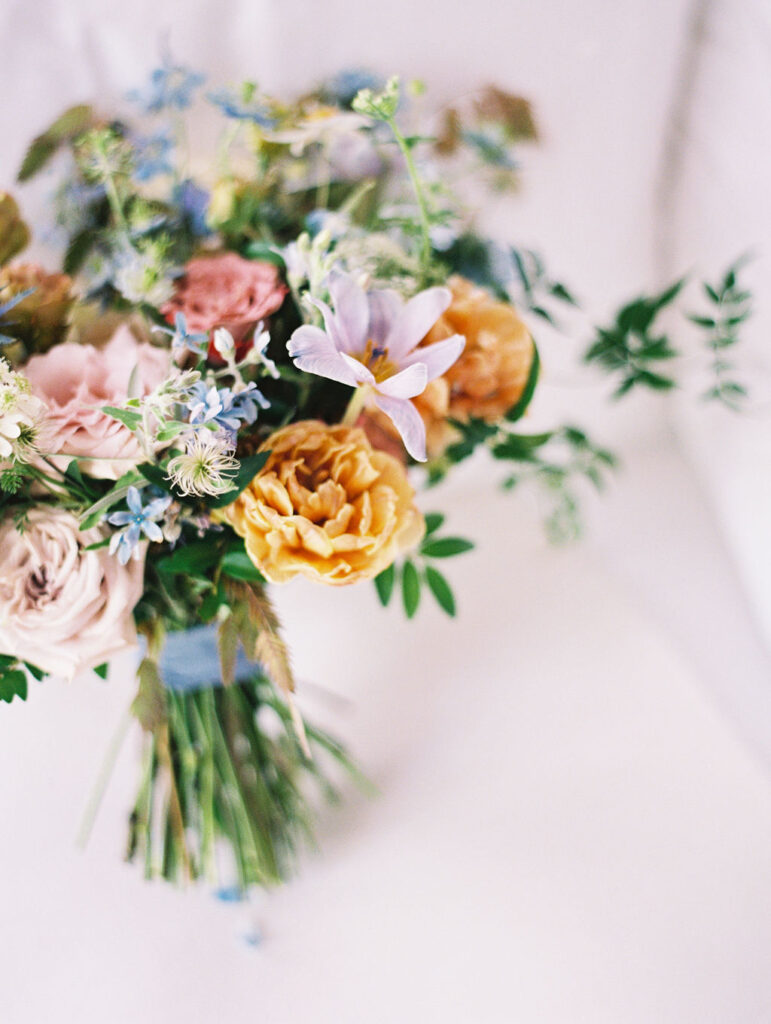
314	352
437	358
406	418
405	384
415	320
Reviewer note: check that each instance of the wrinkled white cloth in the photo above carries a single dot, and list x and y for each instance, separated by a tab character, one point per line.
569	830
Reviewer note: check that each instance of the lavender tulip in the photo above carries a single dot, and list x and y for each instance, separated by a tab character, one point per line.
371	342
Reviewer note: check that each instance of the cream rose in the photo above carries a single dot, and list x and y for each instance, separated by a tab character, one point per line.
75	381
64	608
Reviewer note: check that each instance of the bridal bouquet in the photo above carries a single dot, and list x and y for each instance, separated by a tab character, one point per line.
232	380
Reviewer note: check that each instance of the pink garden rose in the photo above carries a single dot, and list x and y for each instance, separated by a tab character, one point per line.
75	381
226	291
64	608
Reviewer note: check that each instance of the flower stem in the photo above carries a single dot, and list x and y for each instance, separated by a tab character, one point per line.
355	406
425	223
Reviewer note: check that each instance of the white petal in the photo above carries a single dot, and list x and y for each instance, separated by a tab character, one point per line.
351	312
415	320
314	352
361	372
406	418
439	357
405	384
384	307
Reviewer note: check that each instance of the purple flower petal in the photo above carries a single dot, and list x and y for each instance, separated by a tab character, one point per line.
437	358
314	352
384	307
362	373
351	312
406	418
405	384
415	320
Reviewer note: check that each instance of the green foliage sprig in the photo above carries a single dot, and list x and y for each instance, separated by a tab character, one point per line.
633	349
729	309
418	571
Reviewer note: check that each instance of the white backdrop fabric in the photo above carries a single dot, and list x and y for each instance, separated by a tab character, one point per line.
574	820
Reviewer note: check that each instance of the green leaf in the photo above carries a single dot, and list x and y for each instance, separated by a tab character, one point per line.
518	409
441	590
249	468
238	565
191	560
410	589
169	431
521	447
69	125
266	253
384	584
34	671
101	670
445	547
13	684
103	543
77	250
155	475
433	521
125	416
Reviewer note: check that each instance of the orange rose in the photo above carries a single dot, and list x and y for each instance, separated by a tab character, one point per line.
325	505
491	373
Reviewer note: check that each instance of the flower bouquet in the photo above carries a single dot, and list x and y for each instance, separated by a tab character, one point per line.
233	379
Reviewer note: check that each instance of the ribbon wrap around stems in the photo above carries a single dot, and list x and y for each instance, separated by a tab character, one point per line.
190	661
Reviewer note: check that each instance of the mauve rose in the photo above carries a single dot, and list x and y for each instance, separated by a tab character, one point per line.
64	608
226	291
75	381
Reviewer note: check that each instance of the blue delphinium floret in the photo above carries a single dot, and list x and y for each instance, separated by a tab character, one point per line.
171	87
138	520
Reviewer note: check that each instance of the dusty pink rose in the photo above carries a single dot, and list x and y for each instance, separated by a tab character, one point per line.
75	381
62	607
226	291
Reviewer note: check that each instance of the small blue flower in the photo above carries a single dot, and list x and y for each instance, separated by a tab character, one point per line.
171	87
152	155
342	88
232	104
140	519
193	203
223	408
182	339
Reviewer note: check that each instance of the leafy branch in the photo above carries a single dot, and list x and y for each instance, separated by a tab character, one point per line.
417	571
730	307
632	349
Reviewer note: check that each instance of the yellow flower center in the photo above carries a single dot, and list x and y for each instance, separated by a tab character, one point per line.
377	362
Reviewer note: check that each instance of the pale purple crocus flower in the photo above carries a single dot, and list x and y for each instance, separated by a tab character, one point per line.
371	341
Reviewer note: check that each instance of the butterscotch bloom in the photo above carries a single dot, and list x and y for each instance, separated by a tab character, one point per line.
39	320
490	374
325	505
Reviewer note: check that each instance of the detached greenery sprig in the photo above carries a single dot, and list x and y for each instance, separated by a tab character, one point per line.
730	308
418	570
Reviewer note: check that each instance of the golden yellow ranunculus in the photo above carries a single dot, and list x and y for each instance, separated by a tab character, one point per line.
325	505
490	374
